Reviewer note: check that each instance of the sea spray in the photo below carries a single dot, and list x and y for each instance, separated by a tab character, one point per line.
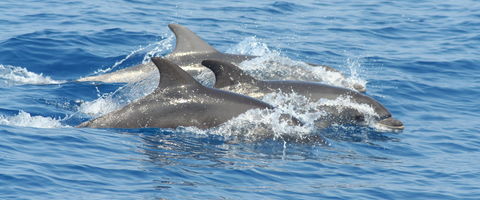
160	48
124	95
128	93
354	65
321	113
24	119
260	124
272	65
154	49
13	75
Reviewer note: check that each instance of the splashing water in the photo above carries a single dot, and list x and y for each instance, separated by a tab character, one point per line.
354	65
126	94
151	50
310	112
122	96
257	125
161	48
296	105
272	65
24	119
250	46
260	124
11	75
100	106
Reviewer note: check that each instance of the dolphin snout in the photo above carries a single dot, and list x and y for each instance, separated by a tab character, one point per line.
392	123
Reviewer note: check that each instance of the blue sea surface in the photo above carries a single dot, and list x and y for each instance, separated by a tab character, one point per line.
418	58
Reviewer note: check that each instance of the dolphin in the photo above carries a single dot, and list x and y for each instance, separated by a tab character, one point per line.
179	100
190	50
230	77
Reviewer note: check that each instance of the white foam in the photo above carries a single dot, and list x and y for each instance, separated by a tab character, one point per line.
295	105
24	119
98	107
308	111
272	65
12	75
255	125
124	95
250	46
160	48
354	65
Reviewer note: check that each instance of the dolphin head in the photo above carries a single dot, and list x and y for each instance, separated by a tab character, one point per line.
383	119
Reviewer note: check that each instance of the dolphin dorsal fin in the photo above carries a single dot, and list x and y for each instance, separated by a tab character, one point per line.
227	74
172	75
188	42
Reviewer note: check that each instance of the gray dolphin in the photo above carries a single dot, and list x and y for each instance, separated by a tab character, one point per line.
190	50
230	77
179	100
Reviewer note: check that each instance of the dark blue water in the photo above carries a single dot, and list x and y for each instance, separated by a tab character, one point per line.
420	59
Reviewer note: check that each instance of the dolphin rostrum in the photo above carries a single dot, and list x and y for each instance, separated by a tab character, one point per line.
190	50
179	100
231	78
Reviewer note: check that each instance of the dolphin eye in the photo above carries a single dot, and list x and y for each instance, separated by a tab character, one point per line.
359	118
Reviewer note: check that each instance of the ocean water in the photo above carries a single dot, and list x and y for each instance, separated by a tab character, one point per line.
419	59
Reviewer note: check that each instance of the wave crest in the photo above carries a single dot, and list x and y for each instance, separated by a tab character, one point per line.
12	75
24	119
